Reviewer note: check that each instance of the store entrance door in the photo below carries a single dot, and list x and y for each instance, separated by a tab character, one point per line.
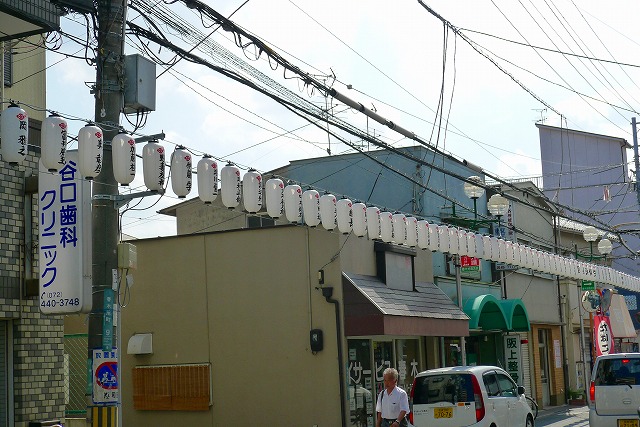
543	354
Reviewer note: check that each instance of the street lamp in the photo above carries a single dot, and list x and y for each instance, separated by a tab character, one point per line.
499	206
590	234
474	192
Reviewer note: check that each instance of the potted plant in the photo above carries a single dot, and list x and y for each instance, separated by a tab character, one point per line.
576	397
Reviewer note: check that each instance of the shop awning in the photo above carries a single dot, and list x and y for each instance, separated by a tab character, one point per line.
489	313
372	308
621	323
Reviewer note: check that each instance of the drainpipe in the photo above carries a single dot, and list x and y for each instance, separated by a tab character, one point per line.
327	293
563	328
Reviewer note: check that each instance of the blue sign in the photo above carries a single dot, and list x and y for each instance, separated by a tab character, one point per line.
107	320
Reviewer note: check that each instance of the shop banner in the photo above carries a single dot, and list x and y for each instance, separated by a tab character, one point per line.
603	337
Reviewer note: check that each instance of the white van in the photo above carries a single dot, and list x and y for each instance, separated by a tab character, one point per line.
614	392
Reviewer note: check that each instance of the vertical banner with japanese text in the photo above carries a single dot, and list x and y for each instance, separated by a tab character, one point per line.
603	337
64	199
512	357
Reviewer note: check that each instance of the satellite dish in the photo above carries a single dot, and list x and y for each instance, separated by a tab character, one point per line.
590	301
605	300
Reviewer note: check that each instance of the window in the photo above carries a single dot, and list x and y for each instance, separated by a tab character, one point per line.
257	221
507	387
491	384
451	388
618	371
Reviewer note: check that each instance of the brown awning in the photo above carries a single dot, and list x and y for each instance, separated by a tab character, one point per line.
372	308
621	323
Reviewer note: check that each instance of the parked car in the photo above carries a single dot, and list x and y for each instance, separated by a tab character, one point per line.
614	392
468	396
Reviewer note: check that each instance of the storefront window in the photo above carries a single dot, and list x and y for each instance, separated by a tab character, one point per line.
361	400
367	362
407	357
383	359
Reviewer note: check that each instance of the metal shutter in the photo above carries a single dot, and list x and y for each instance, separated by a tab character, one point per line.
526	364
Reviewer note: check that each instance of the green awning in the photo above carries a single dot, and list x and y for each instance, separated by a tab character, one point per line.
489	313
516	312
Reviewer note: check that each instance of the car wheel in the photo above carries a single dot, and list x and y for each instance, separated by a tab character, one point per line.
529	422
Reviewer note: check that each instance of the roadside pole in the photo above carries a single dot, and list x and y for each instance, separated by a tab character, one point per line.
109	96
635	156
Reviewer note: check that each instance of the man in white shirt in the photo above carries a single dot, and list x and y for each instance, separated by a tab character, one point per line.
392	403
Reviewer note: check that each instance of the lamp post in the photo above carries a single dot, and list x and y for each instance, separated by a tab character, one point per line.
499	206
590	234
474	192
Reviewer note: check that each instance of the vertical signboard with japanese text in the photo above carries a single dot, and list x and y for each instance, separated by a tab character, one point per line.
65	239
512	357
602	334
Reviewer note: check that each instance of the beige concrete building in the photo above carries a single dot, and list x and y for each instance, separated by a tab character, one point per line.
231	315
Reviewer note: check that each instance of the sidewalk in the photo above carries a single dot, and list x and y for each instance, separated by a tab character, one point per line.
561	409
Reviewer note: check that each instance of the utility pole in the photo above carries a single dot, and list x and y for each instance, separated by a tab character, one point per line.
635	156
463	343
109	98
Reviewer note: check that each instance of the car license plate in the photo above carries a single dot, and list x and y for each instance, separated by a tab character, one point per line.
448	413
627	423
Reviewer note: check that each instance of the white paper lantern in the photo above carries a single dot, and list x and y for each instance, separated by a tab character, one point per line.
509	251
538	262
311	207
495	249
487	248
423	234
123	153
328	213
345	215
359	211
207	179
412	231
386	227
434	238
274	189
90	147
293	203
252	195
373	222
54	143
443	238
399	228
454	241
153	156
477	241
14	131
471	245
230	185
181	172
462	242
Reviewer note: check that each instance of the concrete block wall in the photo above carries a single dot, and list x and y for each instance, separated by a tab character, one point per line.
36	357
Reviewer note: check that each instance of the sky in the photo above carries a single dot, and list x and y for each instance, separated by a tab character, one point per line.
396	58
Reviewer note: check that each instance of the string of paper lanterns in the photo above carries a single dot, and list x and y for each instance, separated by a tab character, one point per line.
297	206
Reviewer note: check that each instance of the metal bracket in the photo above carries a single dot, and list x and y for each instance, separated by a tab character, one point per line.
119	200
150	138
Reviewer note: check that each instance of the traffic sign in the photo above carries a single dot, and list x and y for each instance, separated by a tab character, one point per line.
105	376
588	285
